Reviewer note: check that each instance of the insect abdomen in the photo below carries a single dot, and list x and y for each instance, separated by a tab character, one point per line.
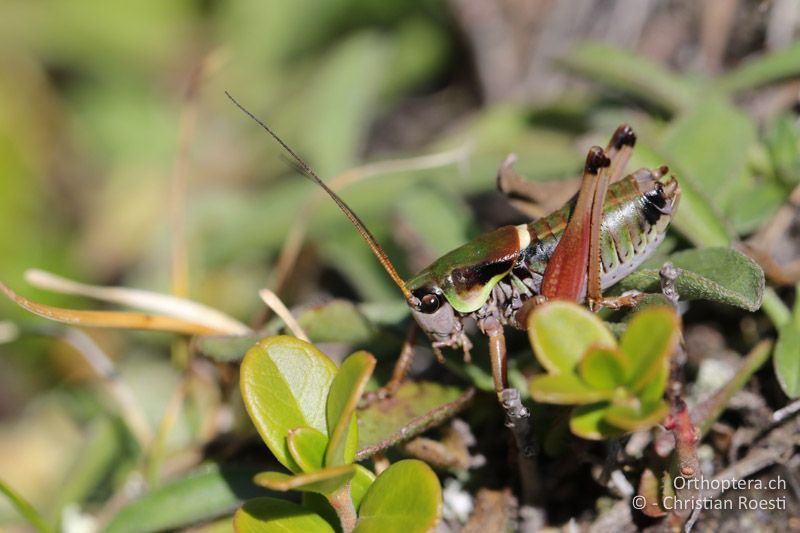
628	235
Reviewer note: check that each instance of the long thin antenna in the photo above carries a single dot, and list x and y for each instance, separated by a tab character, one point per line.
362	229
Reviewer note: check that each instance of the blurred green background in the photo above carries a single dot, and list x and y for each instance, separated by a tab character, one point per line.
119	150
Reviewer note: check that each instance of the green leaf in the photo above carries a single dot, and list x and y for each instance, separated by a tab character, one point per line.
307	448
772	67
224	348
589	422
632	74
209	492
565	389
438	219
787	359
99	456
561	332
405	498
715	274
414	408
25	509
325	481
346	390
648	342
359	485
754	206
336	321
783	143
285	384
271	514
653	391
632	418
711	144
602	368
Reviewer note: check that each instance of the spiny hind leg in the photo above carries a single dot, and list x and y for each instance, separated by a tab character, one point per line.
619	150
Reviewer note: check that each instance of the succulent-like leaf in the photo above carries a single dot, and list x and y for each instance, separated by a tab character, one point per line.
603	368
632	418
361	482
415	407
271	514
787	359
566	389
345	392
715	274
648	342
405	498
285	383
325	481
561	332
307	448
589	422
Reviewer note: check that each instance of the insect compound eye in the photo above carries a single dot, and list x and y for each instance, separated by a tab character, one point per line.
429	303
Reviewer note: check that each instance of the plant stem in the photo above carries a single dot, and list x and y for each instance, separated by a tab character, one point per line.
775	309
342	503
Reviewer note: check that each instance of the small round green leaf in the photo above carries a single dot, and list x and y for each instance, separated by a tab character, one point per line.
307	448
589	422
325	481
279	516
647	343
285	383
405	498
603	368
561	332
345	392
565	389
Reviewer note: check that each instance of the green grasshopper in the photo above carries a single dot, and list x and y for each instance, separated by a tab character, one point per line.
597	238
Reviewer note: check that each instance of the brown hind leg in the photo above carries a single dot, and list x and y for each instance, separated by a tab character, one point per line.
619	151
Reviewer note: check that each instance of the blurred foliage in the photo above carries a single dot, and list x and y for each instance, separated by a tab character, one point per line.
115	131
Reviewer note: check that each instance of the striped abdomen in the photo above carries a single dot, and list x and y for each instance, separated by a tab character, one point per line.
636	213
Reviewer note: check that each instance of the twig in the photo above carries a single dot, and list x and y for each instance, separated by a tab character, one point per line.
275	303
785	412
146	300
